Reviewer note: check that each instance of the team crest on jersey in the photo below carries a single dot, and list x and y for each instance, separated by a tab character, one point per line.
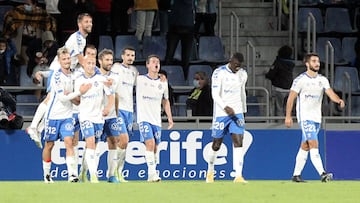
96	83
69	126
160	87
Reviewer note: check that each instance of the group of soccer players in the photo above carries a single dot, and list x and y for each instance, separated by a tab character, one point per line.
98	103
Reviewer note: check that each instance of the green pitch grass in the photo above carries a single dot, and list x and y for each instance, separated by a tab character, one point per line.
180	191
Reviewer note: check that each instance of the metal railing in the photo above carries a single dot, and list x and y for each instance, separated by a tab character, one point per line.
237	27
311	33
249	46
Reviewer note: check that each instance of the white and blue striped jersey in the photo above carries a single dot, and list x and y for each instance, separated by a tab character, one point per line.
114	86
149	96
127	81
92	102
310	94
60	105
228	89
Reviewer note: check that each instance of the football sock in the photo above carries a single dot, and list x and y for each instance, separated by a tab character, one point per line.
90	161
316	160
70	162
247	141
97	157
39	114
212	156
238	160
112	161
121	154
150	161
76	160
301	158
46	167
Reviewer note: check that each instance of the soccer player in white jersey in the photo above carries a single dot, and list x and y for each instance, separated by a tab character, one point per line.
228	93
308	88
58	119
75	44
127	78
112	125
92	111
151	92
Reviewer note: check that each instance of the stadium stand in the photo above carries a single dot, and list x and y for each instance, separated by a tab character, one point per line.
175	75
321	48
155	45
122	41
303	22
105	41
348	52
337	20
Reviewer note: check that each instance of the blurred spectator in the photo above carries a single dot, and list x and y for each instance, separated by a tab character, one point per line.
8	67
164	9
181	27
101	20
41	52
120	12
145	13
281	77
70	9
8	117
51	7
200	100
25	23
206	15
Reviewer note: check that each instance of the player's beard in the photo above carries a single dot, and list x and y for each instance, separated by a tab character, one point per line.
313	69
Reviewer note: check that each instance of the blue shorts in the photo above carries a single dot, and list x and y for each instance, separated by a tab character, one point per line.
228	125
76	122
48	82
310	130
111	128
89	129
149	131
58	129
126	122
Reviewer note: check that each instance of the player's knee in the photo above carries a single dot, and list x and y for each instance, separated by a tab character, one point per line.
216	146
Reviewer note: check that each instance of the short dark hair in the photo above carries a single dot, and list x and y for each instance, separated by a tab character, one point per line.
152	56
238	56
309	55
127	48
82	15
3	40
285	52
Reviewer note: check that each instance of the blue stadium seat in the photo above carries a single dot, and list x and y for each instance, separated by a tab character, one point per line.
26	98
122	41
348	52
25	110
337	20
308	2
195	68
211	50
195	54
105	41
25	80
321	49
142	69
302	19
175	75
154	45
354	77
180	108
253	109
3	10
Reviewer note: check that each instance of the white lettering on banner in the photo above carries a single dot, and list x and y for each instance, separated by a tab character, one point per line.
176	146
